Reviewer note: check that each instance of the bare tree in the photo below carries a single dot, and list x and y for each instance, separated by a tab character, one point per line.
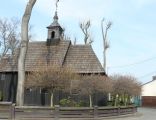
9	36
23	50
124	87
105	41
103	84
85	29
89	84
51	78
9	39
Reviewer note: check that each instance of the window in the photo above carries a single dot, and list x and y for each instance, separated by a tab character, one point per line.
52	34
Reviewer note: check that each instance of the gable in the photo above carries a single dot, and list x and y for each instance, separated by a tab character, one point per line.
149	89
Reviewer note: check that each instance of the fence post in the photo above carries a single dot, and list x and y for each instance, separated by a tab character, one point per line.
119	111
56	113
95	111
134	109
9	104
13	111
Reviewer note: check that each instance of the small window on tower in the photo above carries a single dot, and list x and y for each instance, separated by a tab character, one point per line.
52	34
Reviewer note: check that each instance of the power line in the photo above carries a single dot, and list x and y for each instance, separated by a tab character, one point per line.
132	64
148	74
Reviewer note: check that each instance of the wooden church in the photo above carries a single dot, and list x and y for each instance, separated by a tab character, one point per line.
54	51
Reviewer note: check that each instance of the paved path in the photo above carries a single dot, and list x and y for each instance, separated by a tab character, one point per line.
143	114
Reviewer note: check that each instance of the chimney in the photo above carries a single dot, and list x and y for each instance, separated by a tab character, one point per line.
154	77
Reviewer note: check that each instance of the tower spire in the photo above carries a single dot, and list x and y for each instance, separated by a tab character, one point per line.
54	29
56	4
56	16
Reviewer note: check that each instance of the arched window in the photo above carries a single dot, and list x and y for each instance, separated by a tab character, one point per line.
52	35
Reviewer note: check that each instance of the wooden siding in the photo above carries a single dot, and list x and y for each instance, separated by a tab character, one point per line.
8	86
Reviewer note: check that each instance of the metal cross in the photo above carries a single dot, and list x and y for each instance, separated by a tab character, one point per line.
56	4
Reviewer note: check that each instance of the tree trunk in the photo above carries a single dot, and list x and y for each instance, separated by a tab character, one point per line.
52	100
116	100
104	50
126	100
105	43
90	100
22	54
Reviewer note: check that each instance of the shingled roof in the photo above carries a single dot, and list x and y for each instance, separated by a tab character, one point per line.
81	58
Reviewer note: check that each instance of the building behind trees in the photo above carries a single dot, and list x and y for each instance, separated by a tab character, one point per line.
56	50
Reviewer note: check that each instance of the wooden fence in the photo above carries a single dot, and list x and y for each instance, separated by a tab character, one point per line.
7	110
66	112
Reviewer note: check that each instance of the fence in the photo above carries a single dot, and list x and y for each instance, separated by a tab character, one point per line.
28	112
7	110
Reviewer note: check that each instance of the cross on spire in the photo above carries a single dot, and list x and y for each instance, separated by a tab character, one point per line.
56	4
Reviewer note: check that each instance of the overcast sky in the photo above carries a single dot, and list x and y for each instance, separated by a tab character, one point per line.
132	36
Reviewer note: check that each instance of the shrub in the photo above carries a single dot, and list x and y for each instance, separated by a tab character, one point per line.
83	104
68	103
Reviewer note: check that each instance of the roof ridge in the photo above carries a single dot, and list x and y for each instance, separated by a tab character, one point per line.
65	56
148	82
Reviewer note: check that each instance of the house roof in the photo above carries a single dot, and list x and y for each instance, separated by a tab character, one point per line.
81	58
149	82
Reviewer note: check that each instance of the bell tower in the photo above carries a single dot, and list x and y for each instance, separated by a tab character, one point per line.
54	31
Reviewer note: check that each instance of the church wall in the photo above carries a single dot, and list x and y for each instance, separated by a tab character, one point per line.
8	86
40	97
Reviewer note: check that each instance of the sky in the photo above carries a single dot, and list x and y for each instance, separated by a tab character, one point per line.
132	36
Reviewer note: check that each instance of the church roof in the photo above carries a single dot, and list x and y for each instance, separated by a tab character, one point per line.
81	58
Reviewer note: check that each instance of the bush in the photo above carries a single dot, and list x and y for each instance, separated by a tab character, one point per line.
71	103
67	103
64	102
83	104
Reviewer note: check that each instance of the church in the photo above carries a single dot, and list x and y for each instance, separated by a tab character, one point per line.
55	50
